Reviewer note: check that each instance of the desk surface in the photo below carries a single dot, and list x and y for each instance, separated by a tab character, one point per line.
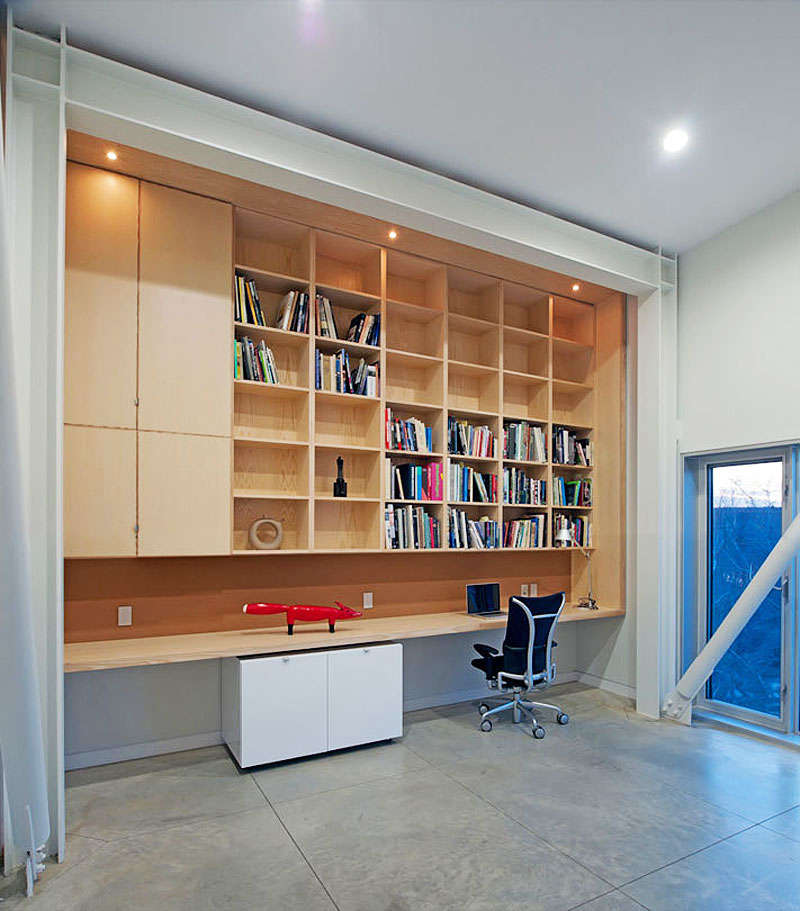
111	653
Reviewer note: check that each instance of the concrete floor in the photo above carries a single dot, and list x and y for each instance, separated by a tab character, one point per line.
611	813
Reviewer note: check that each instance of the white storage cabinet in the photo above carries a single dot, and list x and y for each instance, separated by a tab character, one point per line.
282	706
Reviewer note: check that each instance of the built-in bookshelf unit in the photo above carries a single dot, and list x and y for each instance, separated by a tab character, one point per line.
483	419
476	403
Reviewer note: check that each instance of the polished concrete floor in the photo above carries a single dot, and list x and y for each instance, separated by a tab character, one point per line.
611	813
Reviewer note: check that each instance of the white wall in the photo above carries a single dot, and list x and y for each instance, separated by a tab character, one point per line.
127	713
738	332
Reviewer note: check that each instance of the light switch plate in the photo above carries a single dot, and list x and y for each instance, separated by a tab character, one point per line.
125	615
366	600
524	590
533	588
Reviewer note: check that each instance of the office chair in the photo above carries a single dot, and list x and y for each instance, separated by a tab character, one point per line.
525	664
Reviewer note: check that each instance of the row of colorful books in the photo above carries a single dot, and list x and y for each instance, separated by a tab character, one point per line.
569	449
415	482
254	362
580	528
524	441
572	492
482	533
525	531
407	434
411	528
334	373
470	486
518	488
468	439
246	304
364	328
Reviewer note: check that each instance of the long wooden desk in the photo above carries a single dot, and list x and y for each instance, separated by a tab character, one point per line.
111	653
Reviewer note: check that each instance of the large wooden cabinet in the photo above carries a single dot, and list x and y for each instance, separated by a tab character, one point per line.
147	449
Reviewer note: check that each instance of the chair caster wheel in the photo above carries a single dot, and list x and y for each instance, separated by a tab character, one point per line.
486	725
563	718
539	732
483	708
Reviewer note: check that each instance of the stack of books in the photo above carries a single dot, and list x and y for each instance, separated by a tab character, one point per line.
518	488
526	531
333	372
580	526
411	528
293	312
466	439
524	442
464	533
365	329
415	482
467	485
254	362
407	435
247	306
572	493
569	450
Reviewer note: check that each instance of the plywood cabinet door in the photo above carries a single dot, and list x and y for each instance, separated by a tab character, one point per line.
185	312
99	492
100	306
184	494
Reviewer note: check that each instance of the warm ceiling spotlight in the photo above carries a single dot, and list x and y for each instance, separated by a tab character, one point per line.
392	234
111	156
576	287
675	140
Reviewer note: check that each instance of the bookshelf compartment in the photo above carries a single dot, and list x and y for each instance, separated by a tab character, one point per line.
293	515
470	391
347	525
413	379
278	415
412	280
573	404
526	355
472	342
344	311
291	358
573	321
270	469
347	265
361	471
339	419
473	295
415	330
525	397
271	245
429	417
518	493
572	362
526	308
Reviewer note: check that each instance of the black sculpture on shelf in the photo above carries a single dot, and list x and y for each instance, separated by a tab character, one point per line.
339	485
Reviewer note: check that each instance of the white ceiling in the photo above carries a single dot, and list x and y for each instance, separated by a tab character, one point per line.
560	105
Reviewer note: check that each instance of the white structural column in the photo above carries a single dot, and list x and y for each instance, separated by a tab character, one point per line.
35	179
656	498
678	703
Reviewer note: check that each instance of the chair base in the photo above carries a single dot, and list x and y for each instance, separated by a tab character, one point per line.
519	707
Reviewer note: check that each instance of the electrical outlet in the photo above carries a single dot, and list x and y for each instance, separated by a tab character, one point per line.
533	588
366	600
524	590
125	615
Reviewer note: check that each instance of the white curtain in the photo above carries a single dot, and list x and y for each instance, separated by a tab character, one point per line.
21	744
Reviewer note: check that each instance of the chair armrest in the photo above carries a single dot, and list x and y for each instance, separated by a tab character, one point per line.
485	651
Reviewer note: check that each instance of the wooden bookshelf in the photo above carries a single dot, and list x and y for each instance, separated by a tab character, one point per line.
464	334
453	344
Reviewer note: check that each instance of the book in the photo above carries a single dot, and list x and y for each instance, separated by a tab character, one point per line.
333	372
411	528
254	362
569	449
467	439
406	481
466	533
520	489
468	485
407	434
525	532
524	441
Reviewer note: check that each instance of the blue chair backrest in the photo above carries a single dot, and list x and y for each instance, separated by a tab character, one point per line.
515	644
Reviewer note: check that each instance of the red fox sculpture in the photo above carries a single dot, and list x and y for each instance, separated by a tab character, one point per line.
305	612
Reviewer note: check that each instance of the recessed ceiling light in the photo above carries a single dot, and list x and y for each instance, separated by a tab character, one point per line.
393	234
675	140
111	156
576	287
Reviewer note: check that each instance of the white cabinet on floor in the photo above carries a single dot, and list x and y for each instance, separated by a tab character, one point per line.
283	706
365	702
